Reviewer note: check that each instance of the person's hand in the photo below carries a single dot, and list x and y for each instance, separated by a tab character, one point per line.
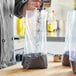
31	5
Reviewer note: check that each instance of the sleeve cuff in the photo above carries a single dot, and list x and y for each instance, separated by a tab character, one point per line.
19	7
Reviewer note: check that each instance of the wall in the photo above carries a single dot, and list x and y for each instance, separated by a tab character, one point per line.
62	7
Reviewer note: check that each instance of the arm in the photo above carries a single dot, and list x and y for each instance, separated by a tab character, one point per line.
19	4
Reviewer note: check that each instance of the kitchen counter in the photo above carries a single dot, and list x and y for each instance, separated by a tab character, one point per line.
54	69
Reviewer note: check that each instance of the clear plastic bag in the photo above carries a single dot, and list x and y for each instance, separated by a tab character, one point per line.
71	38
66	61
35	32
35	40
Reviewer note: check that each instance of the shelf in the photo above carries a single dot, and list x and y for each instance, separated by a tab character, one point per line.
57	36
56	39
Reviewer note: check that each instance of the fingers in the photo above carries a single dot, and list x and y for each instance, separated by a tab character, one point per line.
33	4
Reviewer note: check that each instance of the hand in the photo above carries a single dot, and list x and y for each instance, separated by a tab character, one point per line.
31	5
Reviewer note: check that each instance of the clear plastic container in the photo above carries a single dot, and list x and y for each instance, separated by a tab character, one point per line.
72	38
72	45
35	54
73	42
35	32
65	60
